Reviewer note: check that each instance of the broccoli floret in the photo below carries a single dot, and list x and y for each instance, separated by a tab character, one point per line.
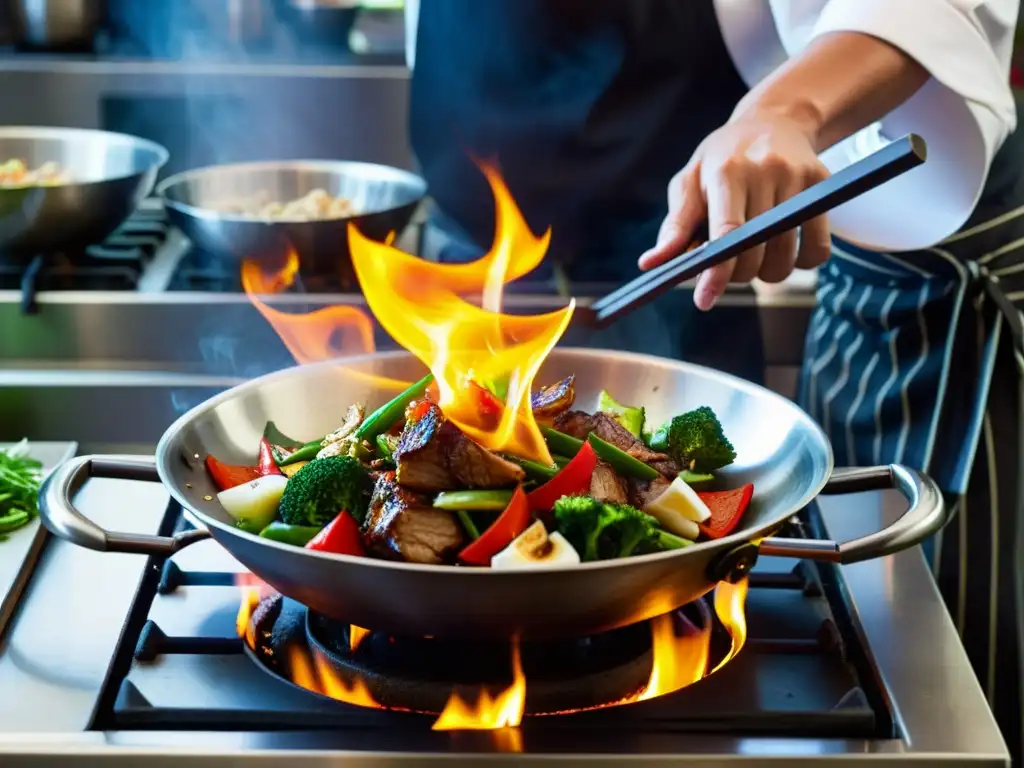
695	439
600	531
322	488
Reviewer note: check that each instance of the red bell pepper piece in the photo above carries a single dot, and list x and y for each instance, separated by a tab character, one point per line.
230	475
502	532
572	480
489	406
727	508
340	536
267	462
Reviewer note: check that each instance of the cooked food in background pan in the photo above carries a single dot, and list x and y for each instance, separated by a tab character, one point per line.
316	205
15	174
406	484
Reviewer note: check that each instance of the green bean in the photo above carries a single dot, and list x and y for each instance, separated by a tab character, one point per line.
535	469
621	461
564	444
473	500
561	443
13	520
307	452
468	524
385	417
296	535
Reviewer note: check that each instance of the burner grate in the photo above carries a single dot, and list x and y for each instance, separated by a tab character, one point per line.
117	264
179	665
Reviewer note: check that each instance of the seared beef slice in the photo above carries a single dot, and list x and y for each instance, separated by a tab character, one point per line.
402	525
607	486
434	455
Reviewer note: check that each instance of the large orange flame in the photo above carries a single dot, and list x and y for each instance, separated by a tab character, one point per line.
311	337
422	305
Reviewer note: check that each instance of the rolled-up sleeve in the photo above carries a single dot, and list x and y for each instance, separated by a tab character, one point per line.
964	112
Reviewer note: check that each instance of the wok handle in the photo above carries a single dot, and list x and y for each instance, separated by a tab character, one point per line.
59	515
925	517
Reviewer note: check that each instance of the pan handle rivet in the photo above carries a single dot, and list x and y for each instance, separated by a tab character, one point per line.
734	565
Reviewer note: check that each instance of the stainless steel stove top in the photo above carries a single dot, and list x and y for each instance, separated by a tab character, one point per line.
79	687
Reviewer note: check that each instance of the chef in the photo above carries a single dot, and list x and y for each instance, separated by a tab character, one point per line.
625	125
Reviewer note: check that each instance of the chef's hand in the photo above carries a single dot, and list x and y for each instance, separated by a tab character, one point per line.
744	168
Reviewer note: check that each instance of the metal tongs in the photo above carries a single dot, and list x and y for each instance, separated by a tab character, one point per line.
874	170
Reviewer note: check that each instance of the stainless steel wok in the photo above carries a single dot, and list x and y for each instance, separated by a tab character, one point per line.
385	199
780	449
111	173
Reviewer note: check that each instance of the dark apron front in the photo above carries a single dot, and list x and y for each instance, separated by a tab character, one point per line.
589	107
916	358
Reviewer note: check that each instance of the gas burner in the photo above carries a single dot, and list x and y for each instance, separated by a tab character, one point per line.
375	669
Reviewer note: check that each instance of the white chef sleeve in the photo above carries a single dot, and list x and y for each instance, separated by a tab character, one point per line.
964	112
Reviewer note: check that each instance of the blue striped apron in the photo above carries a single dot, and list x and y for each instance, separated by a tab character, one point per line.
916	358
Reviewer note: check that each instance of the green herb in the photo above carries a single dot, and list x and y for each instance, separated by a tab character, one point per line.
20	477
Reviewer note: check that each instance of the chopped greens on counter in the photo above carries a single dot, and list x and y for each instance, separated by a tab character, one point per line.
20	477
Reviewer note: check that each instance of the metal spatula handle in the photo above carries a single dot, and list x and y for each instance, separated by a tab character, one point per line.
874	170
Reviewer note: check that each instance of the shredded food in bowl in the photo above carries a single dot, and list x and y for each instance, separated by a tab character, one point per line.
15	174
316	205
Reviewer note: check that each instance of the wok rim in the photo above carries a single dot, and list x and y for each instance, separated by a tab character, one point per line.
209	214
741	536
161	152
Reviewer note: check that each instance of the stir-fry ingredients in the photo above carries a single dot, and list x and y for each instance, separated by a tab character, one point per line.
726	510
679	509
340	536
510	523
385	417
534	548
296	535
267	464
15	174
316	492
629	417
602	531
573	479
227	476
485	501
696	440
405	483
20	476
254	504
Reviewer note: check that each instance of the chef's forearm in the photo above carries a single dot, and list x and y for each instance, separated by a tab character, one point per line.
839	84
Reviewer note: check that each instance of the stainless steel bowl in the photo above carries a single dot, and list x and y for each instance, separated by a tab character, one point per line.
385	199
110	174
